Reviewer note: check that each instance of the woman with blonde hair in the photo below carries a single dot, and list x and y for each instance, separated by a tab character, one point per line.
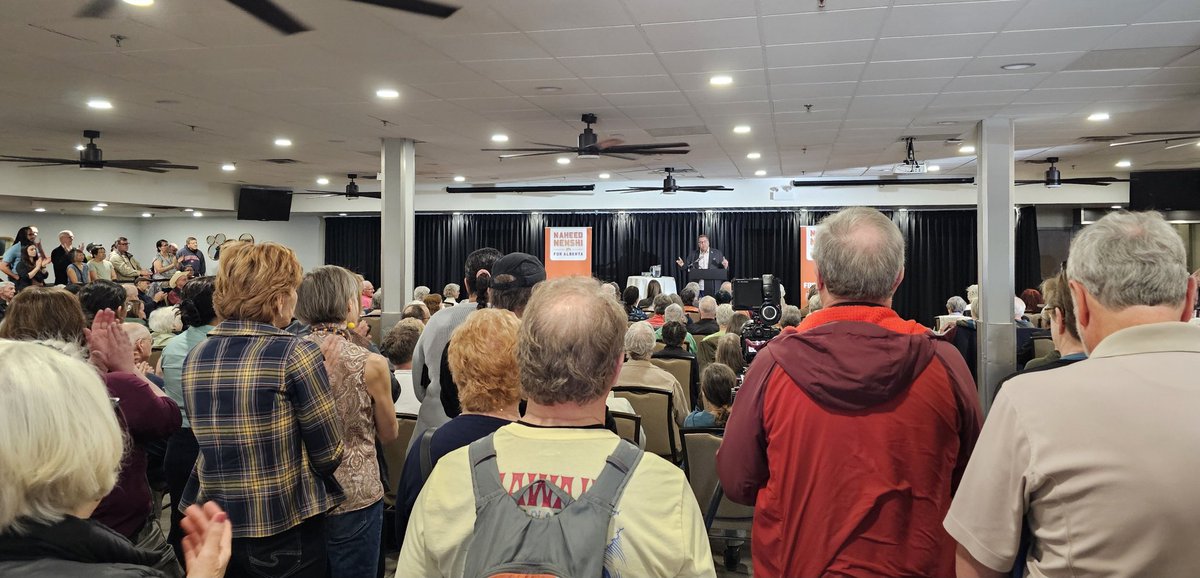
483	362
274	471
62	452
729	352
328	300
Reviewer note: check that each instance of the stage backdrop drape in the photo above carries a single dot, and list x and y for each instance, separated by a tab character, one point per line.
1028	259
940	253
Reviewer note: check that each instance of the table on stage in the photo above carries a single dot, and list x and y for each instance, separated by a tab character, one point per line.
639	281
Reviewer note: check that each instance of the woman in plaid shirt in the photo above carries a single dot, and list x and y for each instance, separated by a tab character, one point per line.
263	414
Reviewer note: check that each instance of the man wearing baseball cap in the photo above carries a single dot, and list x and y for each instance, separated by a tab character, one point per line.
513	278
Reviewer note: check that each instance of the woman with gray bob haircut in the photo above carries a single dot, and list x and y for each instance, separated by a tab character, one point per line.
61	453
859	254
639	341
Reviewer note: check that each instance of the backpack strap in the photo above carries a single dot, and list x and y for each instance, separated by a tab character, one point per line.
485	474
426	460
618	469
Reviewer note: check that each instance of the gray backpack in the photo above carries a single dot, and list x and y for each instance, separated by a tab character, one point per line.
507	541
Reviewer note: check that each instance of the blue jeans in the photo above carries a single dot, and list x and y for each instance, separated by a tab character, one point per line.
354	539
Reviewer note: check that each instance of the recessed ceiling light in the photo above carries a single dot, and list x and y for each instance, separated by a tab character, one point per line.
563	161
721	80
741	128
197	214
387	93
101	204
40	210
1124	164
754	156
605	175
1116	206
147	215
97	208
459	178
79	147
966	149
322	181
99	104
549	89
228	167
933	168
1098	116
341	214
760	173
499	138
1018	66
188	210
140	2
283	142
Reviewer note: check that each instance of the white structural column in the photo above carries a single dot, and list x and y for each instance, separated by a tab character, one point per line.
398	173
997	340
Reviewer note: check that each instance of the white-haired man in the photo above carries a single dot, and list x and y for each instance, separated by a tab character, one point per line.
1098	460
570	353
707	324
850	434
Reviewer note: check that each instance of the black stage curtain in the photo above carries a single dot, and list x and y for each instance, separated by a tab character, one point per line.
940	253
1028	258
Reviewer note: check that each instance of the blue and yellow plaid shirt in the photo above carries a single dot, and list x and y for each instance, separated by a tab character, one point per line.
263	414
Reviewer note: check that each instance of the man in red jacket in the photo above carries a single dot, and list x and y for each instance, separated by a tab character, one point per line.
849	436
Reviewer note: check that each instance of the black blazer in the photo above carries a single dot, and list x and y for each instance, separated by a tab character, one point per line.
714	259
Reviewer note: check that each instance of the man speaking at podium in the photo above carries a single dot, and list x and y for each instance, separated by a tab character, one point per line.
704	257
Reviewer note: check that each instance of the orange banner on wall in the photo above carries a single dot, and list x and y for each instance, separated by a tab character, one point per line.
808	267
568	251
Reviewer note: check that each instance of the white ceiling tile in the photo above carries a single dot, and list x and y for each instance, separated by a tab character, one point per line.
818	104
940	67
704	35
556	14
669	122
803	116
790	55
1095	78
658	11
1155	35
619	84
1057	95
1173	11
712	60
483	89
531	69
811	74
1045	62
716	109
530	87
1007	81
1174	75
1158	91
1042	109
623	65
487	46
698	81
961	17
924	47
729	94
989	97
823	26
793	6
435	73
1049	40
592	41
646	98
658	111
874	106
809	91
901	86
1037	14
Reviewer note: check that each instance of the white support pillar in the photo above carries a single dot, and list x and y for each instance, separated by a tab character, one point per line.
997	339
398	172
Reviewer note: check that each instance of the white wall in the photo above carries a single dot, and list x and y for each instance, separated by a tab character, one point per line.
102	230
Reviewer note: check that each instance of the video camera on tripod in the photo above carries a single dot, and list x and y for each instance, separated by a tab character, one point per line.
761	297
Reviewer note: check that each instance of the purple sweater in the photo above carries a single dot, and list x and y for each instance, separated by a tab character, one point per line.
144	417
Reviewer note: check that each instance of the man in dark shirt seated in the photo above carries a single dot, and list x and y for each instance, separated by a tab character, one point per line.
707	325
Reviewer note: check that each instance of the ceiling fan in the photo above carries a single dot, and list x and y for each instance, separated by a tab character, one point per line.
670	188
351	191
1182	138
590	147
92	158
1054	178
272	15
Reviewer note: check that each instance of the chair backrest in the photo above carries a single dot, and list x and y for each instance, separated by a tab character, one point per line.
1042	346
694	316
681	369
376	334
155	354
629	426
394	455
700	446
659	346
655	407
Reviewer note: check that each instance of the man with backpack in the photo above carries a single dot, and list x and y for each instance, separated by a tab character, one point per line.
557	493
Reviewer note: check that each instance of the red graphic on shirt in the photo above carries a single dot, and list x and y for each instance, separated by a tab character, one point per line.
538	495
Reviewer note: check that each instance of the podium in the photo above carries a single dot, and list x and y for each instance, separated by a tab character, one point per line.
709	279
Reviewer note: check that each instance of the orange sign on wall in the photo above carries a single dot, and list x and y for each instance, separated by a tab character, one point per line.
808	267
568	251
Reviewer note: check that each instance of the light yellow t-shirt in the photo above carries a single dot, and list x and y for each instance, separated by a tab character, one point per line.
657	531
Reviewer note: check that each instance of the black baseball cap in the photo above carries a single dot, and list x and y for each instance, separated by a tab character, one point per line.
526	268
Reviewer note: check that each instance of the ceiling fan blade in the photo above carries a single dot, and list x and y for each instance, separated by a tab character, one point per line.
138	168
532	150
1195	132
271	15
630	147
425	7
1095	181
701	189
1185	144
1028	182
553	146
140	161
96	9
615	156
660	152
371	194
16	159
522	155
316	192
45	165
635	190
140	165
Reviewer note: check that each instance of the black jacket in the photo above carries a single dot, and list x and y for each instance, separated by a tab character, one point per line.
714	259
73	548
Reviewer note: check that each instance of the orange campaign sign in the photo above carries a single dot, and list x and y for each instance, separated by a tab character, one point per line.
808	267
568	251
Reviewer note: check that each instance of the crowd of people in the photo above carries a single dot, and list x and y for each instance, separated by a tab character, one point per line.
256	405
